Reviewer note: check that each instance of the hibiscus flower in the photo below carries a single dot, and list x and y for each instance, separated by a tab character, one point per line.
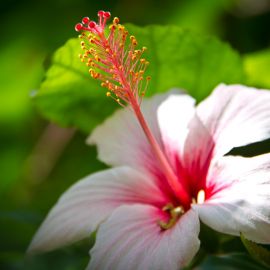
168	172
141	222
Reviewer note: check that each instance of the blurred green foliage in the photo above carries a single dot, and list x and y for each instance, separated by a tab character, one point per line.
32	176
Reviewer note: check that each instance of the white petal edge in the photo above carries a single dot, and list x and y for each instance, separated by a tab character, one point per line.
242	205
131	239
89	202
236	115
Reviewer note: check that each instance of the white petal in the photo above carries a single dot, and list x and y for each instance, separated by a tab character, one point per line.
236	115
174	115
240	199
121	141
131	239
87	203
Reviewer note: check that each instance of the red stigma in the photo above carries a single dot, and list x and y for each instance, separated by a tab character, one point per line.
101	13
85	20
78	27
92	24
107	15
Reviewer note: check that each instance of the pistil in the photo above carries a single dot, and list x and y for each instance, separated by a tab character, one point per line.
121	69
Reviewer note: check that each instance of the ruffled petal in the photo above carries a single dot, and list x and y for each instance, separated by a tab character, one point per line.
131	239
238	197
121	141
87	203
235	116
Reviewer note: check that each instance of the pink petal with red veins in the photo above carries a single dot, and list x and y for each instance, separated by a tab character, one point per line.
187	142
236	115
239	197
131	239
89	202
121	141
197	156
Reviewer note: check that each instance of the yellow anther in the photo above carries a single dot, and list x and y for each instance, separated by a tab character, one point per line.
134	42
144	49
148	78
132	38
82	43
80	55
107	50
175	214
97	58
110	87
112	27
91	64
143	61
201	197
108	94
116	20
121	27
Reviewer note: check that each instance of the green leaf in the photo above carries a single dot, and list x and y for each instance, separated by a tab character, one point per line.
257	68
258	252
181	58
177	58
68	95
234	261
